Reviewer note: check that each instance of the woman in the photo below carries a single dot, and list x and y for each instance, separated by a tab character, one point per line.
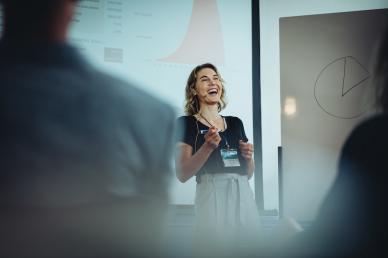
216	150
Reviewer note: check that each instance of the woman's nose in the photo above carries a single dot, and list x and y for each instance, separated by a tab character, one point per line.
211	81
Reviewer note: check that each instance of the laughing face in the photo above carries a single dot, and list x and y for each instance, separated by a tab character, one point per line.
208	87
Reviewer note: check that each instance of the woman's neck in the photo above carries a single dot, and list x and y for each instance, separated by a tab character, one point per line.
209	115
209	112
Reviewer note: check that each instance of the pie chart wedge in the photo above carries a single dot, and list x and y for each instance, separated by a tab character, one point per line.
341	88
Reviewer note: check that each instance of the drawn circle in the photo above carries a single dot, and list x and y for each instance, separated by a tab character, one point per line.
341	88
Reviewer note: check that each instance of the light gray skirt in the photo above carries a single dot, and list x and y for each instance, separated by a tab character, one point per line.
226	212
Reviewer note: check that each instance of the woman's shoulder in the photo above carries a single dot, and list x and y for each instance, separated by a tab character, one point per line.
233	119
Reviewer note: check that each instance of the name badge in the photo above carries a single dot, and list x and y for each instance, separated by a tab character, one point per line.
230	158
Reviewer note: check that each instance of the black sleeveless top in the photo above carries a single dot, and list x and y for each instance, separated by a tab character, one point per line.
193	135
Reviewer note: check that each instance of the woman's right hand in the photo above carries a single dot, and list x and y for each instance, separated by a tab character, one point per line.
212	138
188	164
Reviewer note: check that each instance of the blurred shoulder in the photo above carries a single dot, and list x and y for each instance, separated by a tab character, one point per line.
368	138
132	96
186	122
373	128
185	119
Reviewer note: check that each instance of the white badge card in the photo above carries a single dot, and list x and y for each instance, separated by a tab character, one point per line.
230	158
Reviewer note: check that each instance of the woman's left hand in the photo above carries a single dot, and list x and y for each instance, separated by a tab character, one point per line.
246	149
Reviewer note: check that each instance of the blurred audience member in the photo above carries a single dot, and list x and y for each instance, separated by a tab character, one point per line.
85	158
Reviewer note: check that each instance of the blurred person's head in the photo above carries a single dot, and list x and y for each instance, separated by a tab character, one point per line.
202	80
43	20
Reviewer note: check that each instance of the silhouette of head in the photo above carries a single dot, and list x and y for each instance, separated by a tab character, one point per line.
36	19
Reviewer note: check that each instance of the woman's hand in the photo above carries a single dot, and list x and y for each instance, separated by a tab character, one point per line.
246	149
212	138
187	163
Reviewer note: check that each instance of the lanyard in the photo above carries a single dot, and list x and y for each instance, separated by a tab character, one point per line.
226	140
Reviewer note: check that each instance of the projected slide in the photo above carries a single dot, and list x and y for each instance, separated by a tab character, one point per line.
203	40
94	20
155	45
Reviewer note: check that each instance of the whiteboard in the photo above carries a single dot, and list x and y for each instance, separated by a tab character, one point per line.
326	64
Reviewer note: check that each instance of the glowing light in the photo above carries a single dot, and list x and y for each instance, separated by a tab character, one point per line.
290	106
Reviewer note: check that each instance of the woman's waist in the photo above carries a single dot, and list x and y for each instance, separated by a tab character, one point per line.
220	177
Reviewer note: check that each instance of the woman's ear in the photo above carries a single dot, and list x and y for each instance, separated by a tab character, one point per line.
194	92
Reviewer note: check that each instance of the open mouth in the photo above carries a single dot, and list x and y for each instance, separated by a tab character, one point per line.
213	92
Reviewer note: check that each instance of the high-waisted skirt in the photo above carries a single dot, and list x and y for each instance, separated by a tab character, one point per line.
226	212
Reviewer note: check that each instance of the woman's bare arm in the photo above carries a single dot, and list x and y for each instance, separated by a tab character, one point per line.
188	164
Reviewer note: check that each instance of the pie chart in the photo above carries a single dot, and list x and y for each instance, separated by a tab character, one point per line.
341	88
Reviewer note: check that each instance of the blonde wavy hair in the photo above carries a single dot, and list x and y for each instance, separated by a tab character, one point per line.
191	99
